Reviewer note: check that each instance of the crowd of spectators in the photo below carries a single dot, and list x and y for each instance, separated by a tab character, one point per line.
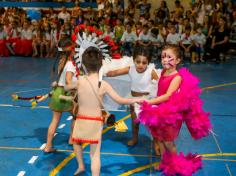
202	32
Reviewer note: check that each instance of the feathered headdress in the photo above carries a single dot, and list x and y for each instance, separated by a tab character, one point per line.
85	37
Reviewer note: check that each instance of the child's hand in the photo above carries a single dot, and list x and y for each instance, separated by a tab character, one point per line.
140	100
110	74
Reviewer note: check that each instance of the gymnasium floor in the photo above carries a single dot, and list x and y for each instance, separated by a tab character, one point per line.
23	130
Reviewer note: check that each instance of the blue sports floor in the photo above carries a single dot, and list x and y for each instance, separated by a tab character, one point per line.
23	130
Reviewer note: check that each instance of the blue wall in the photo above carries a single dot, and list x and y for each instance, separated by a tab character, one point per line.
46	4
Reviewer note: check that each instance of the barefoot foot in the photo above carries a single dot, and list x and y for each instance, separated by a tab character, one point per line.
132	142
79	171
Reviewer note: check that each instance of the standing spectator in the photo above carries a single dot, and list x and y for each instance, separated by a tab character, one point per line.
144	8
64	15
199	41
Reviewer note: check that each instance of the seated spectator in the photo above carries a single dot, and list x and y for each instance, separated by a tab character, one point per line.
128	40
157	42
173	37
144	37
187	44
220	40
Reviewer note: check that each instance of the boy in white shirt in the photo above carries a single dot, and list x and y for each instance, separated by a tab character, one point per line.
187	43
157	42
173	37
144	37
128	40
199	41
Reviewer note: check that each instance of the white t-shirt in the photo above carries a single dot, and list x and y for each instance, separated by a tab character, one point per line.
173	38
3	35
158	39
200	39
186	40
129	37
69	67
65	16
27	34
140	82
144	37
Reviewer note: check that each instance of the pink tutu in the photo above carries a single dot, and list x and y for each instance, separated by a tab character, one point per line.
164	120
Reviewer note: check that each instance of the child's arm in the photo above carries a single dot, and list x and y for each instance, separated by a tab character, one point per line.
118	72
71	86
174	86
154	75
117	98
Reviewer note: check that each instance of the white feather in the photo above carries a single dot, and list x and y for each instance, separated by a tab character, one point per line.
94	39
103	46
84	36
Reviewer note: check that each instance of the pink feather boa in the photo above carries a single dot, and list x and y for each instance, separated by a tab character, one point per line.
173	164
183	105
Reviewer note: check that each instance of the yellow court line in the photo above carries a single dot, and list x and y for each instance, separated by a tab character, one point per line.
220	85
130	172
218	154
71	156
206	155
219	159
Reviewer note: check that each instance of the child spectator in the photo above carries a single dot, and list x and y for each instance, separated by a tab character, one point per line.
128	40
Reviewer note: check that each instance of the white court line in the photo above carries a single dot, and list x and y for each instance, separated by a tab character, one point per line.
31	90
69	118
21	173
55	134
227	167
216	141
33	159
47	107
6	105
62	126
218	146
43	146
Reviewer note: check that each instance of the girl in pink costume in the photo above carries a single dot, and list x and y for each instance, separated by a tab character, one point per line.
177	101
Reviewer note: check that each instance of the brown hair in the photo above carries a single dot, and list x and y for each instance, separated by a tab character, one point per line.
92	59
175	48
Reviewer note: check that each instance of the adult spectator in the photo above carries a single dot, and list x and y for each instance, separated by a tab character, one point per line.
64	15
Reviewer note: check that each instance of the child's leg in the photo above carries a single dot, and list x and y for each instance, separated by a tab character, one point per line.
202	54
35	52
71	130
78	150
51	130
135	128
193	57
156	147
161	151
170	146
47	49
41	48
95	158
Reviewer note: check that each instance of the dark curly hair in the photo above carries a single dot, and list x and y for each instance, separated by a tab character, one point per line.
142	51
